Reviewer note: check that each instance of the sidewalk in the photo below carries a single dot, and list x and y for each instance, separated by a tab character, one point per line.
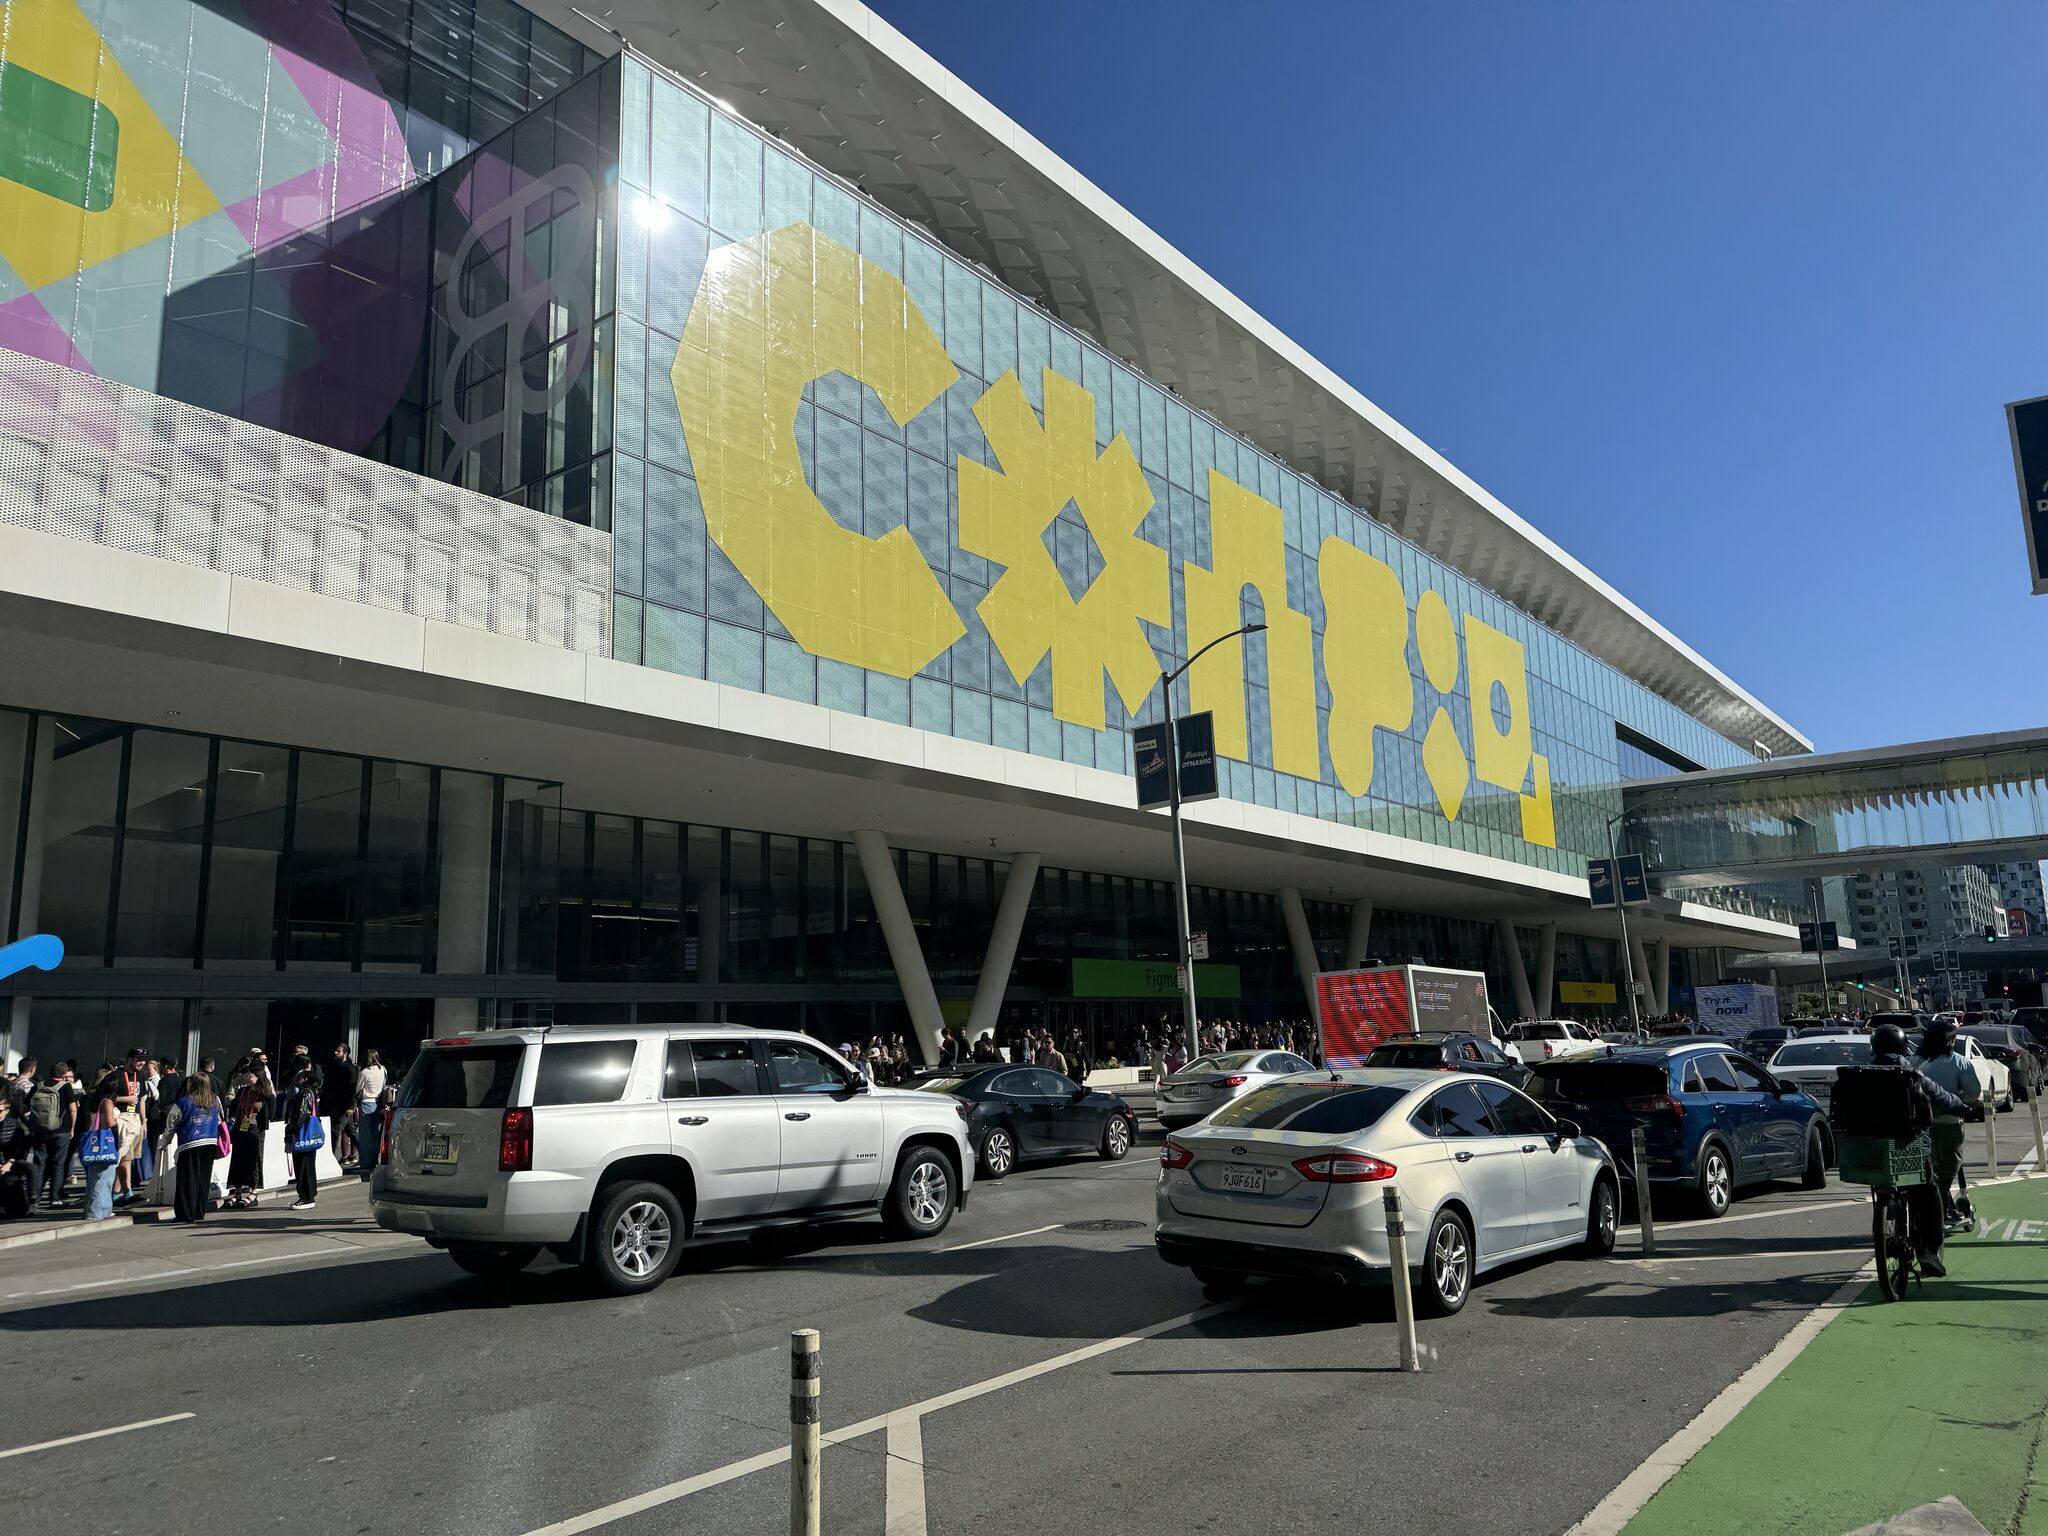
1894	1406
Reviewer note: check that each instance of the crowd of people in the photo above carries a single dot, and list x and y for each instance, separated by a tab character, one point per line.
143	1131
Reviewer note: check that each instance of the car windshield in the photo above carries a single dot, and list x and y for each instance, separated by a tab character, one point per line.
1986	1034
1538	1032
462	1077
1824	1053
1232	1062
1418	1054
1597	1082
1317	1108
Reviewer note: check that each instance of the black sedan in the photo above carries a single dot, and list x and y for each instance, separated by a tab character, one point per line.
1016	1113
1453	1051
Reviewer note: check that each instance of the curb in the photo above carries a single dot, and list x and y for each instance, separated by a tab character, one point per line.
153	1216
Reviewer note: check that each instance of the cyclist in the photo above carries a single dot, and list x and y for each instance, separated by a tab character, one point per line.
1945	1066
1890	1048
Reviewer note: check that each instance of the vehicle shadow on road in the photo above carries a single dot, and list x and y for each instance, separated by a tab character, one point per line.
1646	1296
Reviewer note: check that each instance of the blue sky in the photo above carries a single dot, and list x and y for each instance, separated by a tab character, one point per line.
1725	297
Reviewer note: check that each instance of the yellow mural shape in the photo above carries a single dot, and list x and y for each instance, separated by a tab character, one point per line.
772	313
1365	657
1004	517
156	189
1504	758
1248	548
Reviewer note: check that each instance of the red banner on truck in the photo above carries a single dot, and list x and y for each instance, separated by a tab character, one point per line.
1360	1009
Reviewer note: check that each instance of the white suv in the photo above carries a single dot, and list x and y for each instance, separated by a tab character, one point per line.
1536	1041
612	1147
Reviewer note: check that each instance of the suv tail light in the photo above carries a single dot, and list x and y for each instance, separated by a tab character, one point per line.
515	1142
1236	1080
1174	1155
1344	1168
1653	1104
1549	1050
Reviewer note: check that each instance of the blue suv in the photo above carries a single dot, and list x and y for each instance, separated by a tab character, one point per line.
1712	1119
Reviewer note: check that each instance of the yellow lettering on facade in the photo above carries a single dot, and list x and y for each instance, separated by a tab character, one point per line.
1248	547
1504	757
1005	517
1365	657
771	314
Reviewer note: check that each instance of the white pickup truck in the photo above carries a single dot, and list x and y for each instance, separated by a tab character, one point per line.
1535	1041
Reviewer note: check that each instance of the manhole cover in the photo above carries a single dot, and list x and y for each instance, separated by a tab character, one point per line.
1109	1225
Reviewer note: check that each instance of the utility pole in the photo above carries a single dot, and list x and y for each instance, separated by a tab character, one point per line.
1628	962
1184	958
1820	945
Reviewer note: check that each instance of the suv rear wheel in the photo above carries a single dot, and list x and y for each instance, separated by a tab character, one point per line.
638	1237
920	1199
493	1261
1716	1183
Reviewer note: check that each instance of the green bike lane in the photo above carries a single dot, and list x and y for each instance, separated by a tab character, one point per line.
1892	1406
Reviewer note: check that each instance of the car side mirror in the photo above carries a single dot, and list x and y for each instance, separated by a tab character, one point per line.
1078	1095
858	1083
1567	1130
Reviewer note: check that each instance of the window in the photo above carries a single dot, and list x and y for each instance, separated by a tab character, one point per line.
679	1072
1714	1075
725	1068
1050	1085
1747	1076
1320	1108
1014	1085
800	1068
583	1072
469	1077
1513	1113
1460	1112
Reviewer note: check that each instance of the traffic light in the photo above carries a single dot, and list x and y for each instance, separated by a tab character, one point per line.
1990	934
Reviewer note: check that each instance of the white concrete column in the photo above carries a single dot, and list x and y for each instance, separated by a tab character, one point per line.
1303	943
994	982
1640	958
462	938
1662	985
1358	940
42	774
1546	971
1518	974
900	934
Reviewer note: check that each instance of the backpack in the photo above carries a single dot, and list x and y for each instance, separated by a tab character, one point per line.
46	1107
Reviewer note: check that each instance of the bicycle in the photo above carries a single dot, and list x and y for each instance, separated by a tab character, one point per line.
1890	1168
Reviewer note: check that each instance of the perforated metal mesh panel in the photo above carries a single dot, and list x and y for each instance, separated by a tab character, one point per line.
94	460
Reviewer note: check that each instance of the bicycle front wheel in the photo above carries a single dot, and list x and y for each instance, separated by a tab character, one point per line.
1891	1234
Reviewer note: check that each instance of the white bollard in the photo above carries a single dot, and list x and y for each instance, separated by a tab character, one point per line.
1404	1295
1647	1221
1991	1131
2040	1153
806	1509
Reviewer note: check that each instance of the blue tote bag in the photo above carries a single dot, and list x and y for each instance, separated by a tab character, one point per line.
311	1135
101	1147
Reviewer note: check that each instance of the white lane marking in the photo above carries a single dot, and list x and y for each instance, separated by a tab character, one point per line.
1763	1253
903	1477
1626	1501
174	1274
669	1492
1006	1237
1676	1229
97	1434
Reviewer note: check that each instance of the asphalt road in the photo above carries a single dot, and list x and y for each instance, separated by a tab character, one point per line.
345	1380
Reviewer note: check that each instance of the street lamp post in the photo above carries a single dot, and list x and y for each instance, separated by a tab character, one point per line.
1186	964
1628	961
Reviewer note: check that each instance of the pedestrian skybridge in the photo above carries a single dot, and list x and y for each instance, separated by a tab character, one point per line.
1971	799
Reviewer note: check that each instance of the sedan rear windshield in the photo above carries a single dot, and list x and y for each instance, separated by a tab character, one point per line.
462	1077
1988	1034
1233	1062
1314	1108
941	1085
1824	1053
1597	1082
1405	1056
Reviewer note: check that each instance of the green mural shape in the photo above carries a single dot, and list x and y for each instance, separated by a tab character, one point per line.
55	141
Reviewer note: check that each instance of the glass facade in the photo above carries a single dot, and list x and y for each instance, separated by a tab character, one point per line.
971	392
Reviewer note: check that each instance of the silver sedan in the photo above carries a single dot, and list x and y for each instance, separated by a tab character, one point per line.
1197	1089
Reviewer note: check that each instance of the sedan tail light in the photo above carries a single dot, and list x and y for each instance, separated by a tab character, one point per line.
1174	1155
1344	1168
1236	1080
515	1142
1653	1104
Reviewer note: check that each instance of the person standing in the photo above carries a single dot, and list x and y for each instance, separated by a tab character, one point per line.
52	1105
195	1118
248	1125
99	1151
301	1115
370	1113
21	1085
340	1093
17	1161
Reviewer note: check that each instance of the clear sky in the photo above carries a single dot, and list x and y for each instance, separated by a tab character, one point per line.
1726	297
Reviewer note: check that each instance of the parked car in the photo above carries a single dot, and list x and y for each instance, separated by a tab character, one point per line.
1453	1051
1993	1071
2035	1022
1812	1062
612	1147
1713	1120
1758	1043
1199	1087
1287	1182
1017	1113
2024	1058
1535	1040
